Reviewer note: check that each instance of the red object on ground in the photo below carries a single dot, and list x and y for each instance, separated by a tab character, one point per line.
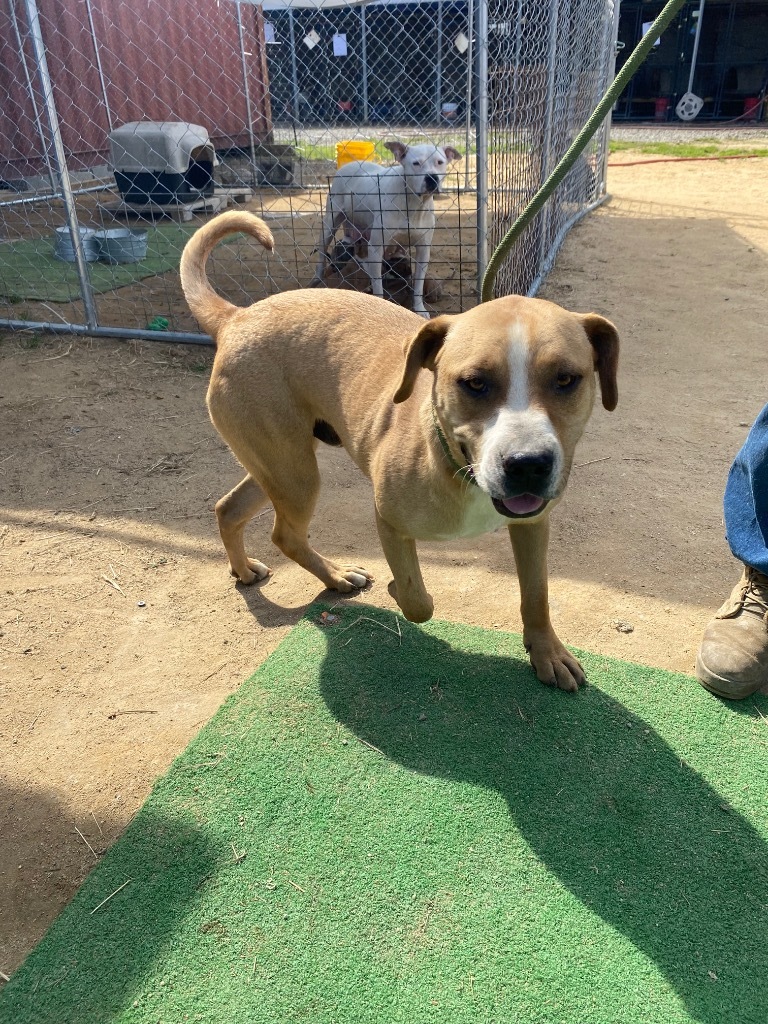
751	107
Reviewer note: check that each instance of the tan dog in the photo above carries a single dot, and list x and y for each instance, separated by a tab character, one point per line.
463	424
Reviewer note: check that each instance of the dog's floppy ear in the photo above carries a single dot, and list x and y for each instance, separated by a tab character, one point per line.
604	339
452	154
399	149
420	354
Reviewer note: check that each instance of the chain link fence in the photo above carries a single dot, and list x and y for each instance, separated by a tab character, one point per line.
549	64
123	126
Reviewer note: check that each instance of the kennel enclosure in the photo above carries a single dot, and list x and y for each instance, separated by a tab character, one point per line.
270	91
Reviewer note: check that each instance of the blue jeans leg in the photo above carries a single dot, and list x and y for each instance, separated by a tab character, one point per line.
746	498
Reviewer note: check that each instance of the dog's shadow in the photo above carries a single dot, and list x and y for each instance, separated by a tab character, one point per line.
270	613
619	816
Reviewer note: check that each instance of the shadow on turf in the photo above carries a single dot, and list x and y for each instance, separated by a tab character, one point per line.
606	804
97	959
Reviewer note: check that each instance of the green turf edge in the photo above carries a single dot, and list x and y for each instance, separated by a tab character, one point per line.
31	272
177	859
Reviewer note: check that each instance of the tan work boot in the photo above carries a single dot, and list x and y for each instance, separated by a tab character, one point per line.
733	658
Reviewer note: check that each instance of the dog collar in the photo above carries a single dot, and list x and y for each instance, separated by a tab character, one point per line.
464	473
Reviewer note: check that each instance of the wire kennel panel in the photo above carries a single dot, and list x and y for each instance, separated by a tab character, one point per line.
506	82
548	66
369	74
70	72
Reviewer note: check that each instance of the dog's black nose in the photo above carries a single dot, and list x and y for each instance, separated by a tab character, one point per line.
527	471
431	182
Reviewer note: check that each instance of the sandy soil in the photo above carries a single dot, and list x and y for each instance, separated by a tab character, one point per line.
121	631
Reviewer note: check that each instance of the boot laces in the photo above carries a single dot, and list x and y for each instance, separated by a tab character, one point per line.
755	592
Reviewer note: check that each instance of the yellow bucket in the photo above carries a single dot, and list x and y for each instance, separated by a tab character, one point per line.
351	150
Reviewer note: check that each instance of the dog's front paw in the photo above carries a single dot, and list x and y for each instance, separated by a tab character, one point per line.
351	577
423	312
554	664
416	607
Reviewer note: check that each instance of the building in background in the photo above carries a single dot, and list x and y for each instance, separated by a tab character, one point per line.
408	61
112	63
730	70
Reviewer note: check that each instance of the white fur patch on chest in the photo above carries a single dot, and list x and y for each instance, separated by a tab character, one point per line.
408	233
478	517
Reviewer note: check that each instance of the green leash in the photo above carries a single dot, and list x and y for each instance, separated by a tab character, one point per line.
601	111
464	473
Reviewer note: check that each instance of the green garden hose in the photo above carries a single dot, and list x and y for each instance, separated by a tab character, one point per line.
601	111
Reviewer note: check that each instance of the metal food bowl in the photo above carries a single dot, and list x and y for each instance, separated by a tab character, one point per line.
121	245
63	248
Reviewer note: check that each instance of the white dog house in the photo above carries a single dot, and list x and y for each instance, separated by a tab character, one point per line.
162	161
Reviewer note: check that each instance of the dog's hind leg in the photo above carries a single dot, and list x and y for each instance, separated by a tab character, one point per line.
293	499
421	262
233	512
372	263
332	220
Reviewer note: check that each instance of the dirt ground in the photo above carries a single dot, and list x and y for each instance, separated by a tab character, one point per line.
121	631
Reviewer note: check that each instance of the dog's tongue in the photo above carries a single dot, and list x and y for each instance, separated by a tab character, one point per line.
522	504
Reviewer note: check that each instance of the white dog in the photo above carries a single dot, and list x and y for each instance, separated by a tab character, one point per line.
387	206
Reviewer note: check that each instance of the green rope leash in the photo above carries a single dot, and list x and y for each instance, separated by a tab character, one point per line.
601	111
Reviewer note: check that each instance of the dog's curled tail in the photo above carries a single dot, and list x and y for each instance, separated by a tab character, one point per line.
210	310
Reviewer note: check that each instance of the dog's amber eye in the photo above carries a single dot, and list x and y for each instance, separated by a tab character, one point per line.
474	385
567	381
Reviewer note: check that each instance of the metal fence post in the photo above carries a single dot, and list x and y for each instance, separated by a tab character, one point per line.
31	91
470	87
546	147
439	64
294	68
62	171
364	62
611	39
100	69
246	88
481	136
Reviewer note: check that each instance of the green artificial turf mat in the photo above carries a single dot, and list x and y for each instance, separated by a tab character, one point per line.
397	824
29	270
